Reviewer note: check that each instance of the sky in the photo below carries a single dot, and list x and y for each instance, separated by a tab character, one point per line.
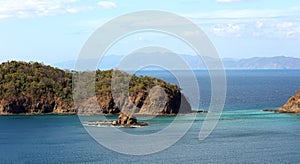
53	31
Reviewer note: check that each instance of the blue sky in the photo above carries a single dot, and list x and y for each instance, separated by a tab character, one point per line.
52	31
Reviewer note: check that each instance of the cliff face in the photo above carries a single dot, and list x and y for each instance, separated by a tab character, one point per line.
146	95
36	88
155	103
29	105
292	105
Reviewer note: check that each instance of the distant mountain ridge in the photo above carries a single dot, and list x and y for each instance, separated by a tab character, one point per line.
195	62
277	62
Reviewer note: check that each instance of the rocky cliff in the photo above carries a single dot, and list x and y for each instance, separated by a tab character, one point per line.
35	88
292	105
145	95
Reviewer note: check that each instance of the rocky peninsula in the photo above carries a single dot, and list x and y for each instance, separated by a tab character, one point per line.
291	106
35	88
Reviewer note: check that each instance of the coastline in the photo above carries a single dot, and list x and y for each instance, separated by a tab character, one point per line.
136	114
100	114
279	111
35	114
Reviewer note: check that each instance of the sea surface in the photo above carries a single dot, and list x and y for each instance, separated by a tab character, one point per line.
244	134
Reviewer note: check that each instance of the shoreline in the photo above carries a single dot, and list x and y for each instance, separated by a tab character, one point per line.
35	114
278	111
100	114
137	114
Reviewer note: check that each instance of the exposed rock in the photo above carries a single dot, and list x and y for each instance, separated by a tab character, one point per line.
200	111
107	103
124	119
272	111
128	121
156	103
292	105
90	106
27	105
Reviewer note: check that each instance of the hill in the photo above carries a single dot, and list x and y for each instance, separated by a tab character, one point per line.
277	62
37	88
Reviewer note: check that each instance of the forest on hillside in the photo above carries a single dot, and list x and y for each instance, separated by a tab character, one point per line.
37	88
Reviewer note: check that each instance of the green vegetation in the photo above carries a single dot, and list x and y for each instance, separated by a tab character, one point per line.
35	80
28	85
104	79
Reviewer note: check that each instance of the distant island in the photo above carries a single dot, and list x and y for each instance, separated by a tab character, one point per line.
276	62
196	63
35	88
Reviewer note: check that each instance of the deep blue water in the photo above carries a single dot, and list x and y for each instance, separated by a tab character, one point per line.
244	134
246	89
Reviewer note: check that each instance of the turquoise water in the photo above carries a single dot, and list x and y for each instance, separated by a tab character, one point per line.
244	134
241	136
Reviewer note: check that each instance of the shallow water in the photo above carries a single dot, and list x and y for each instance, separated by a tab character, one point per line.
241	136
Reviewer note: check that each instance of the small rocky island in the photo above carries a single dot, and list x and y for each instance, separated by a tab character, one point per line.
291	106
124	120
35	88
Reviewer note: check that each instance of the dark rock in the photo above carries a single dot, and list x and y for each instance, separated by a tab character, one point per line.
272	111
200	111
128	120
124	119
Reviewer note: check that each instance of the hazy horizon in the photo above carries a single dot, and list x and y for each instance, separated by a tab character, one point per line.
194	62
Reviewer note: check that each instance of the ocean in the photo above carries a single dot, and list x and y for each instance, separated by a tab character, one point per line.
244	134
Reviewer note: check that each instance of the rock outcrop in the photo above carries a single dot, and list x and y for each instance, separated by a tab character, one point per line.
124	119
128	120
32	106
292	105
157	102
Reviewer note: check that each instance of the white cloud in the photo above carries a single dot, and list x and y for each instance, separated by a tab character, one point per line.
3	16
285	25
227	1
226	30
268	23
78	9
107	4
191	33
245	13
268	28
37	8
288	29
259	24
73	10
